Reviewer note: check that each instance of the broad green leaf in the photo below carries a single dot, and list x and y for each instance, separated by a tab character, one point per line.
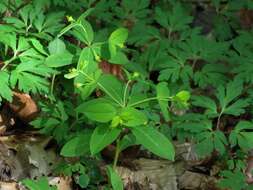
154	141
116	181
56	46
119	58
59	59
112	87
83	31
77	146
101	137
163	93
97	110
86	60
83	180
117	39
132	117
40	184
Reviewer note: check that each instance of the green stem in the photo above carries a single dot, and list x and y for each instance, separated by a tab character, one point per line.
6	63
149	99
116	156
218	121
52	85
125	92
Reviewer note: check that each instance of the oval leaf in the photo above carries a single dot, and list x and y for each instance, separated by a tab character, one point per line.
77	146
97	110
56	46
101	137
154	141
59	59
132	117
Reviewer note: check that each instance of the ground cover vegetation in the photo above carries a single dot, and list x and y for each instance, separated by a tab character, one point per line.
124	75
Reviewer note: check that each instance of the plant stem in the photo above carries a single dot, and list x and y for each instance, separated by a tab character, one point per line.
125	92
52	85
149	99
6	63
116	156
218	122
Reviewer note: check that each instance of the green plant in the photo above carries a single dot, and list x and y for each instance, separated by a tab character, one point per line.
121	73
40	184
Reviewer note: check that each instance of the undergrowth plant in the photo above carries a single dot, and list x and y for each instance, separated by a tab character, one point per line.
121	73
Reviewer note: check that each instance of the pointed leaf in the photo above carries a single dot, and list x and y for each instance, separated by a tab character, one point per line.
101	137
154	141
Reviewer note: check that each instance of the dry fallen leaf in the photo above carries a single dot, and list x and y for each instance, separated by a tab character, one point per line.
24	106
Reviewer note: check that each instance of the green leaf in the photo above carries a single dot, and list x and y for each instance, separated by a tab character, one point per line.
31	76
209	141
132	117
241	136
41	184
83	180
56	46
232	180
112	87
205	102
162	93
228	95
5	91
237	108
154	141
84	31
117	39
77	146
101	137
169	19
119	58
9	40
127	141
115	179
59	59
97	110
38	46
22	44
